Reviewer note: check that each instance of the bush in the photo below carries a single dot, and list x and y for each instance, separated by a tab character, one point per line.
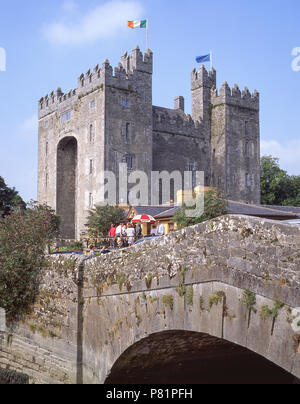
100	219
76	246
215	205
24	237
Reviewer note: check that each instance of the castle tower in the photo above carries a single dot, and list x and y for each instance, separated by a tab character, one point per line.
235	143
128	117
105	121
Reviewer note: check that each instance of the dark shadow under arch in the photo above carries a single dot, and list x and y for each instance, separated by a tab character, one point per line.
181	357
66	186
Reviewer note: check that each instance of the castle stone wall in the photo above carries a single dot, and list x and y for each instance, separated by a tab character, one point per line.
111	116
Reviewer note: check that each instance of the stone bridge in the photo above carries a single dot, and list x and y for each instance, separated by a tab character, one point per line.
205	304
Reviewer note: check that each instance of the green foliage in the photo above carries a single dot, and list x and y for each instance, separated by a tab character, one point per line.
215	205
181	289
168	300
249	300
100	219
190	296
277	187
76	246
274	312
24	237
216	298
9	197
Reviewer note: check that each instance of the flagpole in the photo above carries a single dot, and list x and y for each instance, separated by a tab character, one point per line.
147	35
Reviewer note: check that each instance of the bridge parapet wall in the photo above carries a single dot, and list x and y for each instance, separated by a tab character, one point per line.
88	314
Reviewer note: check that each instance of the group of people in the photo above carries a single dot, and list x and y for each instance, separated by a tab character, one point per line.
125	235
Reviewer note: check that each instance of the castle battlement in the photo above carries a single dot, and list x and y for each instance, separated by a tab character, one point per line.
176	121
203	78
125	76
235	97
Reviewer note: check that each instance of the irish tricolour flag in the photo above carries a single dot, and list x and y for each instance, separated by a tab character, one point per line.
137	24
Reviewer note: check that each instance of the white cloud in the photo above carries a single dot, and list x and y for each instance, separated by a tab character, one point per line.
29	128
104	21
288	153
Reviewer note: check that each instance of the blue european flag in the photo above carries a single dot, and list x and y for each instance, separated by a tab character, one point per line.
201	59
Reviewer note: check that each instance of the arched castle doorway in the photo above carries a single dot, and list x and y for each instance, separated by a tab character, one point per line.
183	357
66	186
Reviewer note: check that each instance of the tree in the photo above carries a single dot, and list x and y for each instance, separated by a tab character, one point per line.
277	187
215	205
100	219
24	237
9	197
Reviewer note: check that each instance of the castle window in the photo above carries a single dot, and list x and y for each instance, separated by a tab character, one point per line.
66	116
249	149
46	124
91	133
248	180
46	180
91	167
92	104
127	132
129	162
91	201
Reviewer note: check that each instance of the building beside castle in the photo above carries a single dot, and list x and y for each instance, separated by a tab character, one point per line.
109	118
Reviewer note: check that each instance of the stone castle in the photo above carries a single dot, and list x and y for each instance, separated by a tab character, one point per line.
109	118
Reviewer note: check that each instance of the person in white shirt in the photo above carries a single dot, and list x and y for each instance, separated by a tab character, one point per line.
130	232
161	230
119	230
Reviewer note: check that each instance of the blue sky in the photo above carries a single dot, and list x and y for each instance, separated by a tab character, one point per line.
50	43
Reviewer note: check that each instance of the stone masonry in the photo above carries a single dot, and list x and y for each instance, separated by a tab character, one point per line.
109	119
234	278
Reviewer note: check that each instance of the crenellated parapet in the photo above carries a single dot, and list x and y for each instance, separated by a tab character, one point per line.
235	97
203	78
126	76
176	121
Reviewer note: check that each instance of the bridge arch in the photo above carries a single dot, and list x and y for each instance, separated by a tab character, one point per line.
117	324
185	357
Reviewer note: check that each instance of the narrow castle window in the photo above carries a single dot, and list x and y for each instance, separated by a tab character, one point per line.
249	149
192	167
129	162
46	180
46	148
248	180
91	133
127	132
92	104
91	166
46	124
91	202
